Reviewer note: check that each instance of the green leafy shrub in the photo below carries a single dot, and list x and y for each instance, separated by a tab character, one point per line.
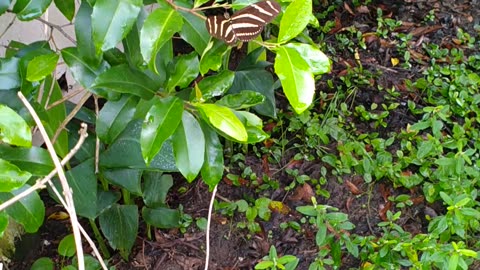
164	111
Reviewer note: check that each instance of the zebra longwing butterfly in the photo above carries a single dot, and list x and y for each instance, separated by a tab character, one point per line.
244	25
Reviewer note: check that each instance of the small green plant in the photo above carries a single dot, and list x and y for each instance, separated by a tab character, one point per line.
273	262
332	234
66	249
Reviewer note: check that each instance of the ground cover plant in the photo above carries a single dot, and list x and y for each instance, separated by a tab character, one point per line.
371	163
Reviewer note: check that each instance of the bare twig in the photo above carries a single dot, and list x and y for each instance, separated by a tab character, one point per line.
97	140
65	98
70	207
207	235
71	115
84	233
58	28
41	183
8	26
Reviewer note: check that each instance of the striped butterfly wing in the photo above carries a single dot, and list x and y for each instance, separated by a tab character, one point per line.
244	25
221	28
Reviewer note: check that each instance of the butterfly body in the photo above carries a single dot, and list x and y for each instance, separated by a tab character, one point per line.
243	25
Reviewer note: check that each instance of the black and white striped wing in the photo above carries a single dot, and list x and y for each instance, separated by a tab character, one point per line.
221	28
244	25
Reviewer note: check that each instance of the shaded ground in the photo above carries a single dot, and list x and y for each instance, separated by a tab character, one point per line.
234	248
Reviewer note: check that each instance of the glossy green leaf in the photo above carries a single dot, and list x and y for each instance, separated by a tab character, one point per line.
56	115
30	9
85	73
119	224
260	81
155	188
160	123
158	28
185	70
114	117
27	86
9	77
123	79
3	223
164	160
254	60
91	263
254	126
223	119
189	146
244	99
84	37
131	43
128	179
11	177
13	129
294	20
43	263
28	211
198	3
212	56
194	32
4	4
161	217
316	59
83	182
115	57
297	79
126	145
112	20
216	85
41	66
66	248
35	160
105	199
212	169
67	7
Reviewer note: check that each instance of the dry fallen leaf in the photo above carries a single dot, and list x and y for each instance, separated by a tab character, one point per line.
303	193
353	188
279	207
60	215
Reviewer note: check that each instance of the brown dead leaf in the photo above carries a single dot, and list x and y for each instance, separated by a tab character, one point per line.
418	200
353	188
269	127
363	10
279	207
385	192
59	215
348	204
423	30
266	165
382	212
221	220
338	25
348	8
303	193
370	37
268	143
294	164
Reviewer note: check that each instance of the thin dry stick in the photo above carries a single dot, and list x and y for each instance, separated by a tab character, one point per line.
58	28
41	183
70	207
97	140
65	98
207	235
8	26
71	115
84	233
